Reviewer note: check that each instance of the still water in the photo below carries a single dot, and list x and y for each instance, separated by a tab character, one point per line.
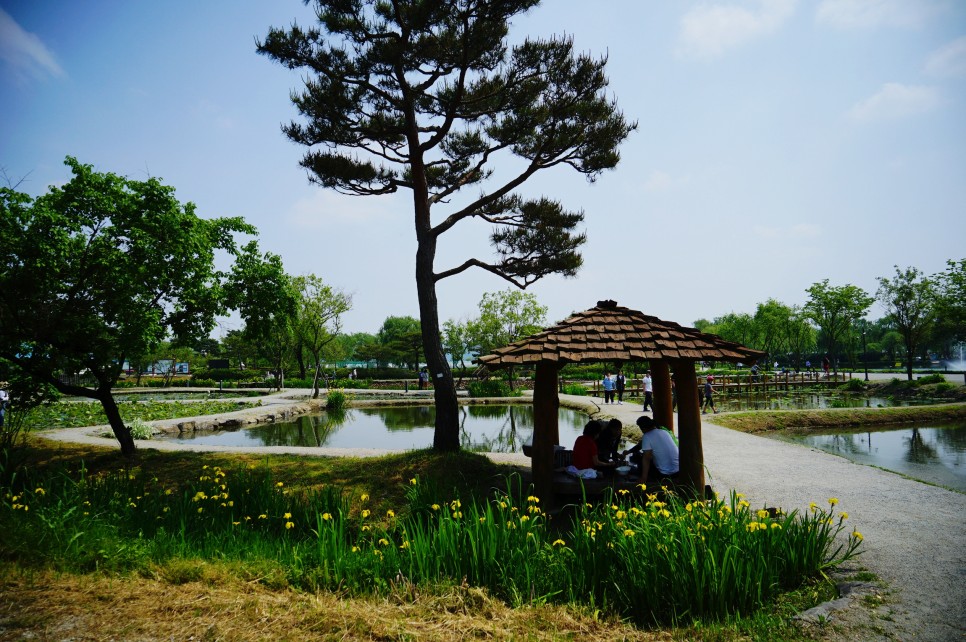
482	428
807	401
935	454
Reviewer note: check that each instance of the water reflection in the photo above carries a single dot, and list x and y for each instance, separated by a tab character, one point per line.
935	453
487	428
807	401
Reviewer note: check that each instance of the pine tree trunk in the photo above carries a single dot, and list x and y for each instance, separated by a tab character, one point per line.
121	432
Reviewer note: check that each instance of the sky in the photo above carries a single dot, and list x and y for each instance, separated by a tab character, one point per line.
779	143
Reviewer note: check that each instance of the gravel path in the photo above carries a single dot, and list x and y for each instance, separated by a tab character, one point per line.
915	534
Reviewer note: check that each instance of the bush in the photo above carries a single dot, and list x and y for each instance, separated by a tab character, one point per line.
575	389
945	386
139	429
336	400
488	388
854	385
932	378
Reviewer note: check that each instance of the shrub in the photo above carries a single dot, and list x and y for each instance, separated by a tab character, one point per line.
336	400
488	388
932	378
945	386
139	429
575	389
854	385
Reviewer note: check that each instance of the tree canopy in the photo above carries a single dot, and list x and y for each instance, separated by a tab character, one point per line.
102	270
426	97
834	309
909	299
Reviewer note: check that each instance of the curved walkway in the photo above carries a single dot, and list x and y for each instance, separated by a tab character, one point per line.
915	534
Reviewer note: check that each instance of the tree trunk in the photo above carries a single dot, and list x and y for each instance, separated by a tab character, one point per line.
121	432
447	433
691	450
910	355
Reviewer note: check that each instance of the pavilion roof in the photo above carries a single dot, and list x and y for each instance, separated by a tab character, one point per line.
608	332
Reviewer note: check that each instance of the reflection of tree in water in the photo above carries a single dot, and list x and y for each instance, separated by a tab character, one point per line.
404	417
919	451
953	439
846	443
309	430
507	438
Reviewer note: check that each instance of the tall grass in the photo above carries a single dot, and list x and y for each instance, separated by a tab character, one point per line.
652	559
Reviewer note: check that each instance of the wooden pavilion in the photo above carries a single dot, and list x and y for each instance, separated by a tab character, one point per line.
610	333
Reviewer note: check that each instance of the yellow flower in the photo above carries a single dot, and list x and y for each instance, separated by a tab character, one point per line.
482	520
857	535
287	516
843	516
455	504
743	504
776	525
502	505
355	549
289	525
365	528
235	523
263	516
620	514
833	501
762	514
390	513
201	509
40	491
364	498
167	491
326	517
383	541
413	481
404	545
524	518
279	485
533	499
813	507
435	506
628	533
559	542
365	513
458	514
623	491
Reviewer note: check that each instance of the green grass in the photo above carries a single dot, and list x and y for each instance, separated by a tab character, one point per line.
765	420
419	520
75	414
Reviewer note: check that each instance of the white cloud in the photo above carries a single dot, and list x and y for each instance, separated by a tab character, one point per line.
710	30
949	61
894	101
25	53
798	232
866	14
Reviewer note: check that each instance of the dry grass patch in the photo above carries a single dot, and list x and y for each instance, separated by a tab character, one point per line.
45	605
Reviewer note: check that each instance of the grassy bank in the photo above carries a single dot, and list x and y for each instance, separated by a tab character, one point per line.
410	546
766	420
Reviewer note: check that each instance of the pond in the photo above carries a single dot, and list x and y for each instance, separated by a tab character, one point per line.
931	453
808	401
484	428
186	396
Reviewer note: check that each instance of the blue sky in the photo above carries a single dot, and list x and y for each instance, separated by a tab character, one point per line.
780	142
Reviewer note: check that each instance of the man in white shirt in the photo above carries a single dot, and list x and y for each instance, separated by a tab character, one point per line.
659	453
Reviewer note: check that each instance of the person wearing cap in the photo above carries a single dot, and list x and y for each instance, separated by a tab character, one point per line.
709	395
658	452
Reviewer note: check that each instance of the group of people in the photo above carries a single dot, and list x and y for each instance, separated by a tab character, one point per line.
654	458
614	386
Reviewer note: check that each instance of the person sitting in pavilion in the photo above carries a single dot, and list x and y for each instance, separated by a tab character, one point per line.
586	455
656	455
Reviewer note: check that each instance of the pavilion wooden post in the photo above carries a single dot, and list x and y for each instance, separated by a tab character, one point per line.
546	432
663	402
691	451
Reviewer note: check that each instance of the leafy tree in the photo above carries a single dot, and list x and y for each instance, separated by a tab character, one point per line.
101	269
457	342
318	318
401	340
266	299
506	317
426	97
951	303
909	299
834	309
772	323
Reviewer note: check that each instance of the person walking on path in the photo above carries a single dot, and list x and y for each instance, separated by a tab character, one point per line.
648	385
620	382
608	385
708	395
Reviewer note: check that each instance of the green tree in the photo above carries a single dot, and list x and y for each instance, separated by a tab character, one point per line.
101	269
401	340
951	303
834	309
426	97
267	300
457	342
505	317
318	318
909	298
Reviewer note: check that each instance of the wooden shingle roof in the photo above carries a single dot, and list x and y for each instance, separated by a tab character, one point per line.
609	332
